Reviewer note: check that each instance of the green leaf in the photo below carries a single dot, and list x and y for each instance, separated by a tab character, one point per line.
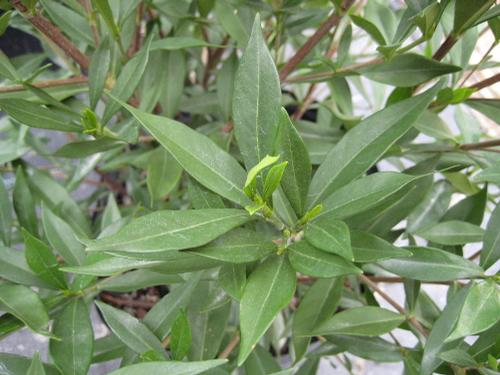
37	116
164	173
5	214
172	90
365	193
127	81
297	176
458	357
369	27
7	70
228	16
273	179
4	21
371	348
362	146
36	367
488	107
429	264
359	321
15	364
25	305
104	9
491	243
82	149
237	246
42	261
467	12
62	238
232	278
201	197
138	279
170	367
111	213
330	235
452	233
308	260
171	230
251	180
98	71
256	100
269	289
407	70
129	330
318	303
489	174
225	85
172	43
480	311
13	267
198	155
432	125
24	204
180	337
368	248
72	350
440	331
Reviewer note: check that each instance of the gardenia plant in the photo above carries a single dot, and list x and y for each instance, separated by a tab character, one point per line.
261	171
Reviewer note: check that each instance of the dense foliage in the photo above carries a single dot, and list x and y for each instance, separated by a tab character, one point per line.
263	167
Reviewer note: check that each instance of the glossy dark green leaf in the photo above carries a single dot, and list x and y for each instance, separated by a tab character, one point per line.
368	248
170	367
317	304
256	100
25	305
36	367
452	233
407	70
198	155
72	350
98	71
359	321
479	312
297	175
5	214
164	173
138	279
180	337
42	261
330	235
311	261
171	230
129	330
24	204
62	238
491	245
237	246
362	146
429	264
269	289
127	81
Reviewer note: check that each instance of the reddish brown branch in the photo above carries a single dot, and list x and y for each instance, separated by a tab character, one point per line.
487	82
448	43
480	145
230	346
46	84
303	51
46	27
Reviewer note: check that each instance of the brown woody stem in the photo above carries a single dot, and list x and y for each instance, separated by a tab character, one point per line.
448	43
230	346
487	82
480	145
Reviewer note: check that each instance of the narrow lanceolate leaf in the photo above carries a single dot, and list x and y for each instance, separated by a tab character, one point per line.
198	155
233	278
180	338
330	235
359	321
37	116
429	264
42	261
407	70
62	238
138	279
297	177
256	100
36	367
170	367
73	347
171	230
269	289
127	81
481	310
365	193
318	304
25	305
164	173
308	260
362	146
372	348
24	204
98	71
5	214
491	245
104	10
13	267
368	248
452	232
130	331
238	246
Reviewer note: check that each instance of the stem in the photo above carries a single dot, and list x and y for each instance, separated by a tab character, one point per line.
412	320
487	82
483	59
230	346
48	29
46	84
303	51
447	45
480	145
